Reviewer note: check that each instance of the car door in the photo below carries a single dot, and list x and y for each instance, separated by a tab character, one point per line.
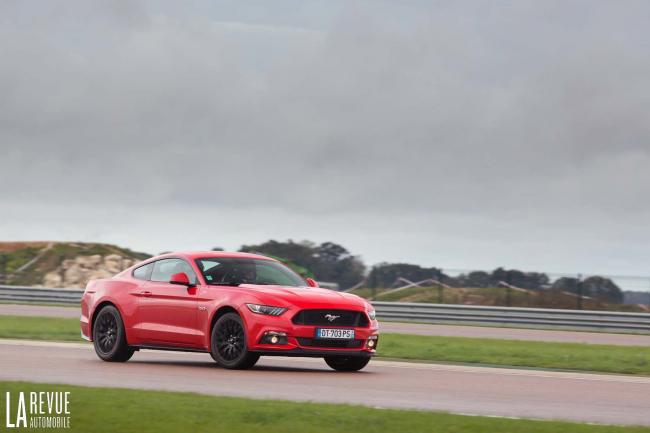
167	314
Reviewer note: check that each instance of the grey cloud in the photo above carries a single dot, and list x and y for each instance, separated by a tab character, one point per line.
530	112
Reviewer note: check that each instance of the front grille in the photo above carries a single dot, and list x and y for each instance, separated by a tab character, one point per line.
340	344
318	318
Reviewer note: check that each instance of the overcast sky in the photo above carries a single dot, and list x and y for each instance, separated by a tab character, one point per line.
461	134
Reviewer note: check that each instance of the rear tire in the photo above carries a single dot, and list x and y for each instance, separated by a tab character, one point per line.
347	363
109	337
229	344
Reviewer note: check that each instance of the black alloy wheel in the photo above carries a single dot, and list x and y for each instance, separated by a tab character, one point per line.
229	346
109	337
106	332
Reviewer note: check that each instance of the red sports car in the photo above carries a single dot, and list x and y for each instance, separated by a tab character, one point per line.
236	306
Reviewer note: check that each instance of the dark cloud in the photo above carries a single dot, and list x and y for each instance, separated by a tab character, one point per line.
497	130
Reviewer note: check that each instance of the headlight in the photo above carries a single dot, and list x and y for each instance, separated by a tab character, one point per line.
372	314
266	309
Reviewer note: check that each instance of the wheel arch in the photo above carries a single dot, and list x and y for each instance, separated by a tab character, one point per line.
99	308
220	312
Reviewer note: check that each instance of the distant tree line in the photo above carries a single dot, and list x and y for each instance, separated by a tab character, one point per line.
386	275
525	280
331	262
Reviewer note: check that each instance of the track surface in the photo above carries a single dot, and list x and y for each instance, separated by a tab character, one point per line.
412	328
462	389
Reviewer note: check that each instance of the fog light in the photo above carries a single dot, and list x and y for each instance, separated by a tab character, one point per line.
371	343
274	337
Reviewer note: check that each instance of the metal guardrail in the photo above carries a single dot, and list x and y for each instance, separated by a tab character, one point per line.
511	316
426	313
40	295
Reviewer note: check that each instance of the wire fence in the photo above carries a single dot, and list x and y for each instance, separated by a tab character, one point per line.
514	288
624	282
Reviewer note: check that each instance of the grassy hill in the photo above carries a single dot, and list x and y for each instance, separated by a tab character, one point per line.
495	296
39	263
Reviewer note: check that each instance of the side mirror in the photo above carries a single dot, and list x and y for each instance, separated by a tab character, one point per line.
181	279
311	282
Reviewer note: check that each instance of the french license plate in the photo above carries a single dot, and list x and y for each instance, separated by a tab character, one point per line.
342	334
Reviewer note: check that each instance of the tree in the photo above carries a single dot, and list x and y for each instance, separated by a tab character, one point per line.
385	274
327	261
603	288
593	287
300	270
4	259
475	279
567	284
525	280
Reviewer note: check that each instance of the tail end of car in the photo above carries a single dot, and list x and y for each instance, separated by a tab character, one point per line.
86	310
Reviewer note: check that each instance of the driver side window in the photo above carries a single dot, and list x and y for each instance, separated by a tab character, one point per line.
164	269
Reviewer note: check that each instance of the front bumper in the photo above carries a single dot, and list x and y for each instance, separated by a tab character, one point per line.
313	353
300	339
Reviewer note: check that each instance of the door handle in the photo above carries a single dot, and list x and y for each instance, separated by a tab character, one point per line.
145	293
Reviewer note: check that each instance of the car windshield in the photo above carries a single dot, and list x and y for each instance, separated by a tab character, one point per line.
228	271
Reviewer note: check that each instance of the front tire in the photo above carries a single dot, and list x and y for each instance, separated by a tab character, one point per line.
228	343
109	337
347	363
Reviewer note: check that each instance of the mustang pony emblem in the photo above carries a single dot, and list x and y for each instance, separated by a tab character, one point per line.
331	317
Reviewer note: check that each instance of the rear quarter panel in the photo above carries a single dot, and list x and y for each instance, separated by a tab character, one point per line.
121	292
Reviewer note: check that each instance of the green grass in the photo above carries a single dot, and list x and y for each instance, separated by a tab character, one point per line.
15	259
122	410
566	356
40	328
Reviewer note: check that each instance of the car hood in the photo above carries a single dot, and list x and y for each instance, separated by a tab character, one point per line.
303	297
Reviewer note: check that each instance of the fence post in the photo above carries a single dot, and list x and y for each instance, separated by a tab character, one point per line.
579	288
3	269
440	294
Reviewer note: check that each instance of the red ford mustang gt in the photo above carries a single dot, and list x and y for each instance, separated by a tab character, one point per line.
235	306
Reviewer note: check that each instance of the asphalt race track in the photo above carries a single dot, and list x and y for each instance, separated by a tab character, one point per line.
610	399
412	328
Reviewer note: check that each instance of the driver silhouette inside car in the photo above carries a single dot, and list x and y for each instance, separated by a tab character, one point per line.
243	274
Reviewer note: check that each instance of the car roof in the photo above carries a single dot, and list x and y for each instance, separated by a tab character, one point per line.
192	255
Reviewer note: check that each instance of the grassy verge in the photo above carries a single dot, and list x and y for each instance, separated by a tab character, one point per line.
120	410
40	328
567	356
